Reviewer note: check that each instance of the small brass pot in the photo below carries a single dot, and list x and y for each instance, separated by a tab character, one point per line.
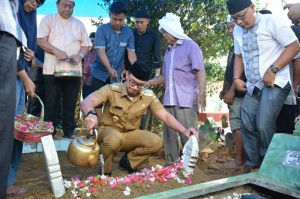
84	150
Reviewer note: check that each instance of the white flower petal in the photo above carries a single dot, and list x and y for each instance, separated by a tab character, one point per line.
127	189
67	184
126	193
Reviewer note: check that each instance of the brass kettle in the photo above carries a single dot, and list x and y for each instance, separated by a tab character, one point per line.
84	150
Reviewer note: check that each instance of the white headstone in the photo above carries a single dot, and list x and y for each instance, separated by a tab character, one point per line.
190	154
53	167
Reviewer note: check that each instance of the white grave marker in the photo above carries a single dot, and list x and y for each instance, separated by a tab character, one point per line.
53	167
190	154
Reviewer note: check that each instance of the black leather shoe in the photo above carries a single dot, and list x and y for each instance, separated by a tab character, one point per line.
125	164
106	174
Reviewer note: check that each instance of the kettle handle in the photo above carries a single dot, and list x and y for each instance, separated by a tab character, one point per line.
96	138
94	130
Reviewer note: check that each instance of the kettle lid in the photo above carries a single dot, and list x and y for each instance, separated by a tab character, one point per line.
86	141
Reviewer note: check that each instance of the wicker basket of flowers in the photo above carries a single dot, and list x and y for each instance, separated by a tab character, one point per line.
29	128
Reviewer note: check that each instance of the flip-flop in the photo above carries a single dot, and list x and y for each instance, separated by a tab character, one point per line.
15	191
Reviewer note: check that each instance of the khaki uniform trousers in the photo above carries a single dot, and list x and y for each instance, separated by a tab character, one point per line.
139	144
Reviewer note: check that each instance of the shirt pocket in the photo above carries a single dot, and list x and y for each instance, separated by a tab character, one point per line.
122	47
182	60
116	110
141	113
123	44
136	118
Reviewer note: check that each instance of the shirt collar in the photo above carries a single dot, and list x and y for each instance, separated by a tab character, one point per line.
178	42
257	20
125	93
124	90
147	32
115	31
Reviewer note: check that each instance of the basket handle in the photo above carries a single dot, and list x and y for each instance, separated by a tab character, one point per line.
42	111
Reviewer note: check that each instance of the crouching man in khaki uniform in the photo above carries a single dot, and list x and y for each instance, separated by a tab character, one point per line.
125	103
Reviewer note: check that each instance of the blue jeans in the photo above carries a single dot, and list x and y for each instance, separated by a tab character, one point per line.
258	121
18	145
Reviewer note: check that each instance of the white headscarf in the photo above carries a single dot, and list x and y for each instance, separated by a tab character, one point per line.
171	24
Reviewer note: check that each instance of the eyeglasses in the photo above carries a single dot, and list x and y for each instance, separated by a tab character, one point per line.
134	83
241	18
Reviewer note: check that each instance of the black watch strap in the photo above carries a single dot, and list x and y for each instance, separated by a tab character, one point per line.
91	112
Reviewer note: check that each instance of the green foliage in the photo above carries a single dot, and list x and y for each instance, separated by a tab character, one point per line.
97	22
214	72
208	129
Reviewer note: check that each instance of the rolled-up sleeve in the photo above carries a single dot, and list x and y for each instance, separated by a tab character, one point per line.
130	45
44	27
100	40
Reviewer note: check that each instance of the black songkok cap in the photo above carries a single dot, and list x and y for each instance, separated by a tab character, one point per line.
139	71
235	6
264	12
141	14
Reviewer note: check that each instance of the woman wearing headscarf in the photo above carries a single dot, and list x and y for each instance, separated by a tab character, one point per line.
27	21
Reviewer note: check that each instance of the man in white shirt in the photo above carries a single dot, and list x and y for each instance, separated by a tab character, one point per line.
264	46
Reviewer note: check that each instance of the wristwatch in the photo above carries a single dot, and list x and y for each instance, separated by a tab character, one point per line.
274	68
91	112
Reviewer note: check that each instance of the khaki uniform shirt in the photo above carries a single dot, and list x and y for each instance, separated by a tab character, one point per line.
122	113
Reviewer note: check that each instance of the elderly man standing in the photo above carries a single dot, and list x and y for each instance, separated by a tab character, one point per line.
263	47
125	103
184	77
65	41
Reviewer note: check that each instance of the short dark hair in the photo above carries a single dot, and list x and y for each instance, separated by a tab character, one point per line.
92	35
118	7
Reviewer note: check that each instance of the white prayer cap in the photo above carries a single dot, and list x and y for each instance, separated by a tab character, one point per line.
171	24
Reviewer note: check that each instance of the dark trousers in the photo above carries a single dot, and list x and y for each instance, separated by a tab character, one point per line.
285	120
8	78
68	88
